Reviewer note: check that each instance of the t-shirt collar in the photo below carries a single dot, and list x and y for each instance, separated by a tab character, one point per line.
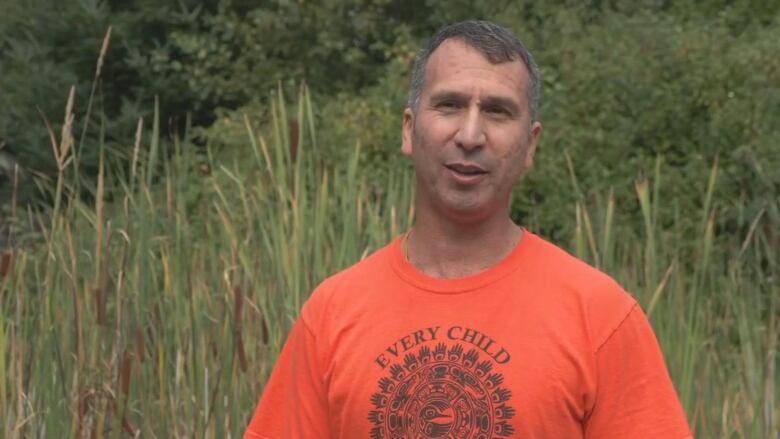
410	274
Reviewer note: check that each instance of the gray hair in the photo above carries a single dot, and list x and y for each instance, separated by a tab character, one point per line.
499	45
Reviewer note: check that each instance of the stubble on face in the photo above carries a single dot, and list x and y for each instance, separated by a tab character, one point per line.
499	142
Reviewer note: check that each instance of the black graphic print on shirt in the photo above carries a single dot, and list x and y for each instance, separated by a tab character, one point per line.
442	383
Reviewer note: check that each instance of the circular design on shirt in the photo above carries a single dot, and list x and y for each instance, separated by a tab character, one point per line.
444	393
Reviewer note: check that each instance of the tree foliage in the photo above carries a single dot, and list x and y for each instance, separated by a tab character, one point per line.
623	81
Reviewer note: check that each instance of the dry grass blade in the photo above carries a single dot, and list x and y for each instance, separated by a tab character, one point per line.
660	289
750	233
103	51
100	273
136	149
50	132
98	69
66	138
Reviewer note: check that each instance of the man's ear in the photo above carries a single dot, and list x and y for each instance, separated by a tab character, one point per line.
406	132
536	131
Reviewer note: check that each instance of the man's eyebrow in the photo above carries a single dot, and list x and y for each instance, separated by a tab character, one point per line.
487	101
448	95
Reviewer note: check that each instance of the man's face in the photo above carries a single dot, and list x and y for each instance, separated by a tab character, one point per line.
470	138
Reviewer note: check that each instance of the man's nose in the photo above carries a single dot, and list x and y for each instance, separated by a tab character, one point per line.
471	132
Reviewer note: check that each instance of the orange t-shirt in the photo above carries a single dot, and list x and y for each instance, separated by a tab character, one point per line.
540	346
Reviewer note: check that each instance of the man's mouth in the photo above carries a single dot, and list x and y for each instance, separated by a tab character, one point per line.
466	168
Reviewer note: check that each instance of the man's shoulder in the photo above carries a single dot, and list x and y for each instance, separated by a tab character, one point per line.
601	297
556	263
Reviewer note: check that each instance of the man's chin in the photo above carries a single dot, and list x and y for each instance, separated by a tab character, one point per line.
468	210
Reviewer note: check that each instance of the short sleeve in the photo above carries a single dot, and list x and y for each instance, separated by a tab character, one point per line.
294	403
635	397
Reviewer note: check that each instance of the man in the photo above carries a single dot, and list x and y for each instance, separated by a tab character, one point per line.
469	326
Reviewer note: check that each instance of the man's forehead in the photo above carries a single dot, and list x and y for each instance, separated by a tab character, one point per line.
459	46
455	56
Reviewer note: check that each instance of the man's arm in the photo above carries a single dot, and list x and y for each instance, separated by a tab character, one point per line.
635	397
294	402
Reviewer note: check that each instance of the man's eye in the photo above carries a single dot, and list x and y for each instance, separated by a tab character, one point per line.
447	105
498	111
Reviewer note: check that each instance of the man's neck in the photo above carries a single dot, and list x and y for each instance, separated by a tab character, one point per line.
450	249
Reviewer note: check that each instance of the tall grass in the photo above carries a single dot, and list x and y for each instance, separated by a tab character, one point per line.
712	298
161	312
158	308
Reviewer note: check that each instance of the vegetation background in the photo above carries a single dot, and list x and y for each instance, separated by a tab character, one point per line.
189	170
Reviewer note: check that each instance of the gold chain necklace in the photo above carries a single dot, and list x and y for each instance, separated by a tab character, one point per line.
405	245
